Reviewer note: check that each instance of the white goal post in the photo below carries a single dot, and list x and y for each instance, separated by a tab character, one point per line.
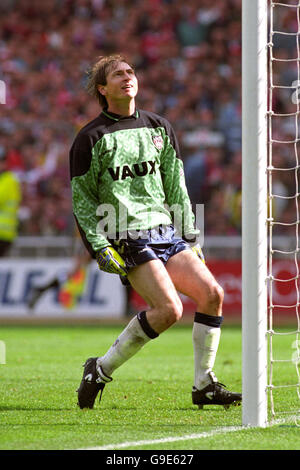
254	211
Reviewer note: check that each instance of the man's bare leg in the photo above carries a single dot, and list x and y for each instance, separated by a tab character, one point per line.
192	278
152	281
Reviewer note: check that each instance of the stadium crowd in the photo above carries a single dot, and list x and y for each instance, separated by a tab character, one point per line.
188	60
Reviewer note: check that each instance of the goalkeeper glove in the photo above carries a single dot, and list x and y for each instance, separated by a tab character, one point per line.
197	250
109	260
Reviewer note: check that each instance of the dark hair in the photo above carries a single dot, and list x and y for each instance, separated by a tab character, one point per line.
98	73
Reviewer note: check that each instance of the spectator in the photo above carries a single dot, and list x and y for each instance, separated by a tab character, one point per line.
188	57
10	196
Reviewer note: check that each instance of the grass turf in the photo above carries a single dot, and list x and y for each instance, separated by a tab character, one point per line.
148	400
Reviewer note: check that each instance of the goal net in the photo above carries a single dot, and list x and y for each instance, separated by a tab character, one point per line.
270	211
283	208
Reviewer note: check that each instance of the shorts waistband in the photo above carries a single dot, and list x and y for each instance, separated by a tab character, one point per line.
151	234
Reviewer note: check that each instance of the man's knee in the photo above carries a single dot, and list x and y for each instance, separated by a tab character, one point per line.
215	295
172	311
211	298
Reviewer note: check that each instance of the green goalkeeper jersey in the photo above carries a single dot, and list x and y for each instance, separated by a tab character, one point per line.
127	174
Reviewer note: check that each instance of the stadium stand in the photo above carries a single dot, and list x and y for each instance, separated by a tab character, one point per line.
188	60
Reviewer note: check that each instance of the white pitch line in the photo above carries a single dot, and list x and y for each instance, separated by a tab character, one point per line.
187	437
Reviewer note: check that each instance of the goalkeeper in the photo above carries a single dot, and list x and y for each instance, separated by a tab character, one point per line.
133	212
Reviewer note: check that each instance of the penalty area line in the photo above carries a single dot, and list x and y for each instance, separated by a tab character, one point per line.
187	437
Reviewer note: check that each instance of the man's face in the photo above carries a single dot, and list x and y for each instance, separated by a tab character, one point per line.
121	83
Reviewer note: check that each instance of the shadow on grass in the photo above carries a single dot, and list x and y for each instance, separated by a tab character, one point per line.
35	408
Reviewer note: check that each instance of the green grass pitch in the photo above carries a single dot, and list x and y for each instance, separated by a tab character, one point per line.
148	404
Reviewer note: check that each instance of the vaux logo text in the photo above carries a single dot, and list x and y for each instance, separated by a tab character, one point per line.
138	169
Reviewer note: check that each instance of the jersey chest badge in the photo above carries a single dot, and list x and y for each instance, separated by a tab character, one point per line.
158	141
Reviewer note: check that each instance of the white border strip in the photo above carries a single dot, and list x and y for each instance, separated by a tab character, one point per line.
188	437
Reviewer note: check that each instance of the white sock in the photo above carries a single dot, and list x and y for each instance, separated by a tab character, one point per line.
206	340
130	341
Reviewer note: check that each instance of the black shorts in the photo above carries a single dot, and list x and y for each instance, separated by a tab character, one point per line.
157	243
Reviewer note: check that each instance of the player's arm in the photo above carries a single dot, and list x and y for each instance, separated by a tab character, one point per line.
85	170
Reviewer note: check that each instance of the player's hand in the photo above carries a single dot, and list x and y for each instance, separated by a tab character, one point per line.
197	250
110	261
